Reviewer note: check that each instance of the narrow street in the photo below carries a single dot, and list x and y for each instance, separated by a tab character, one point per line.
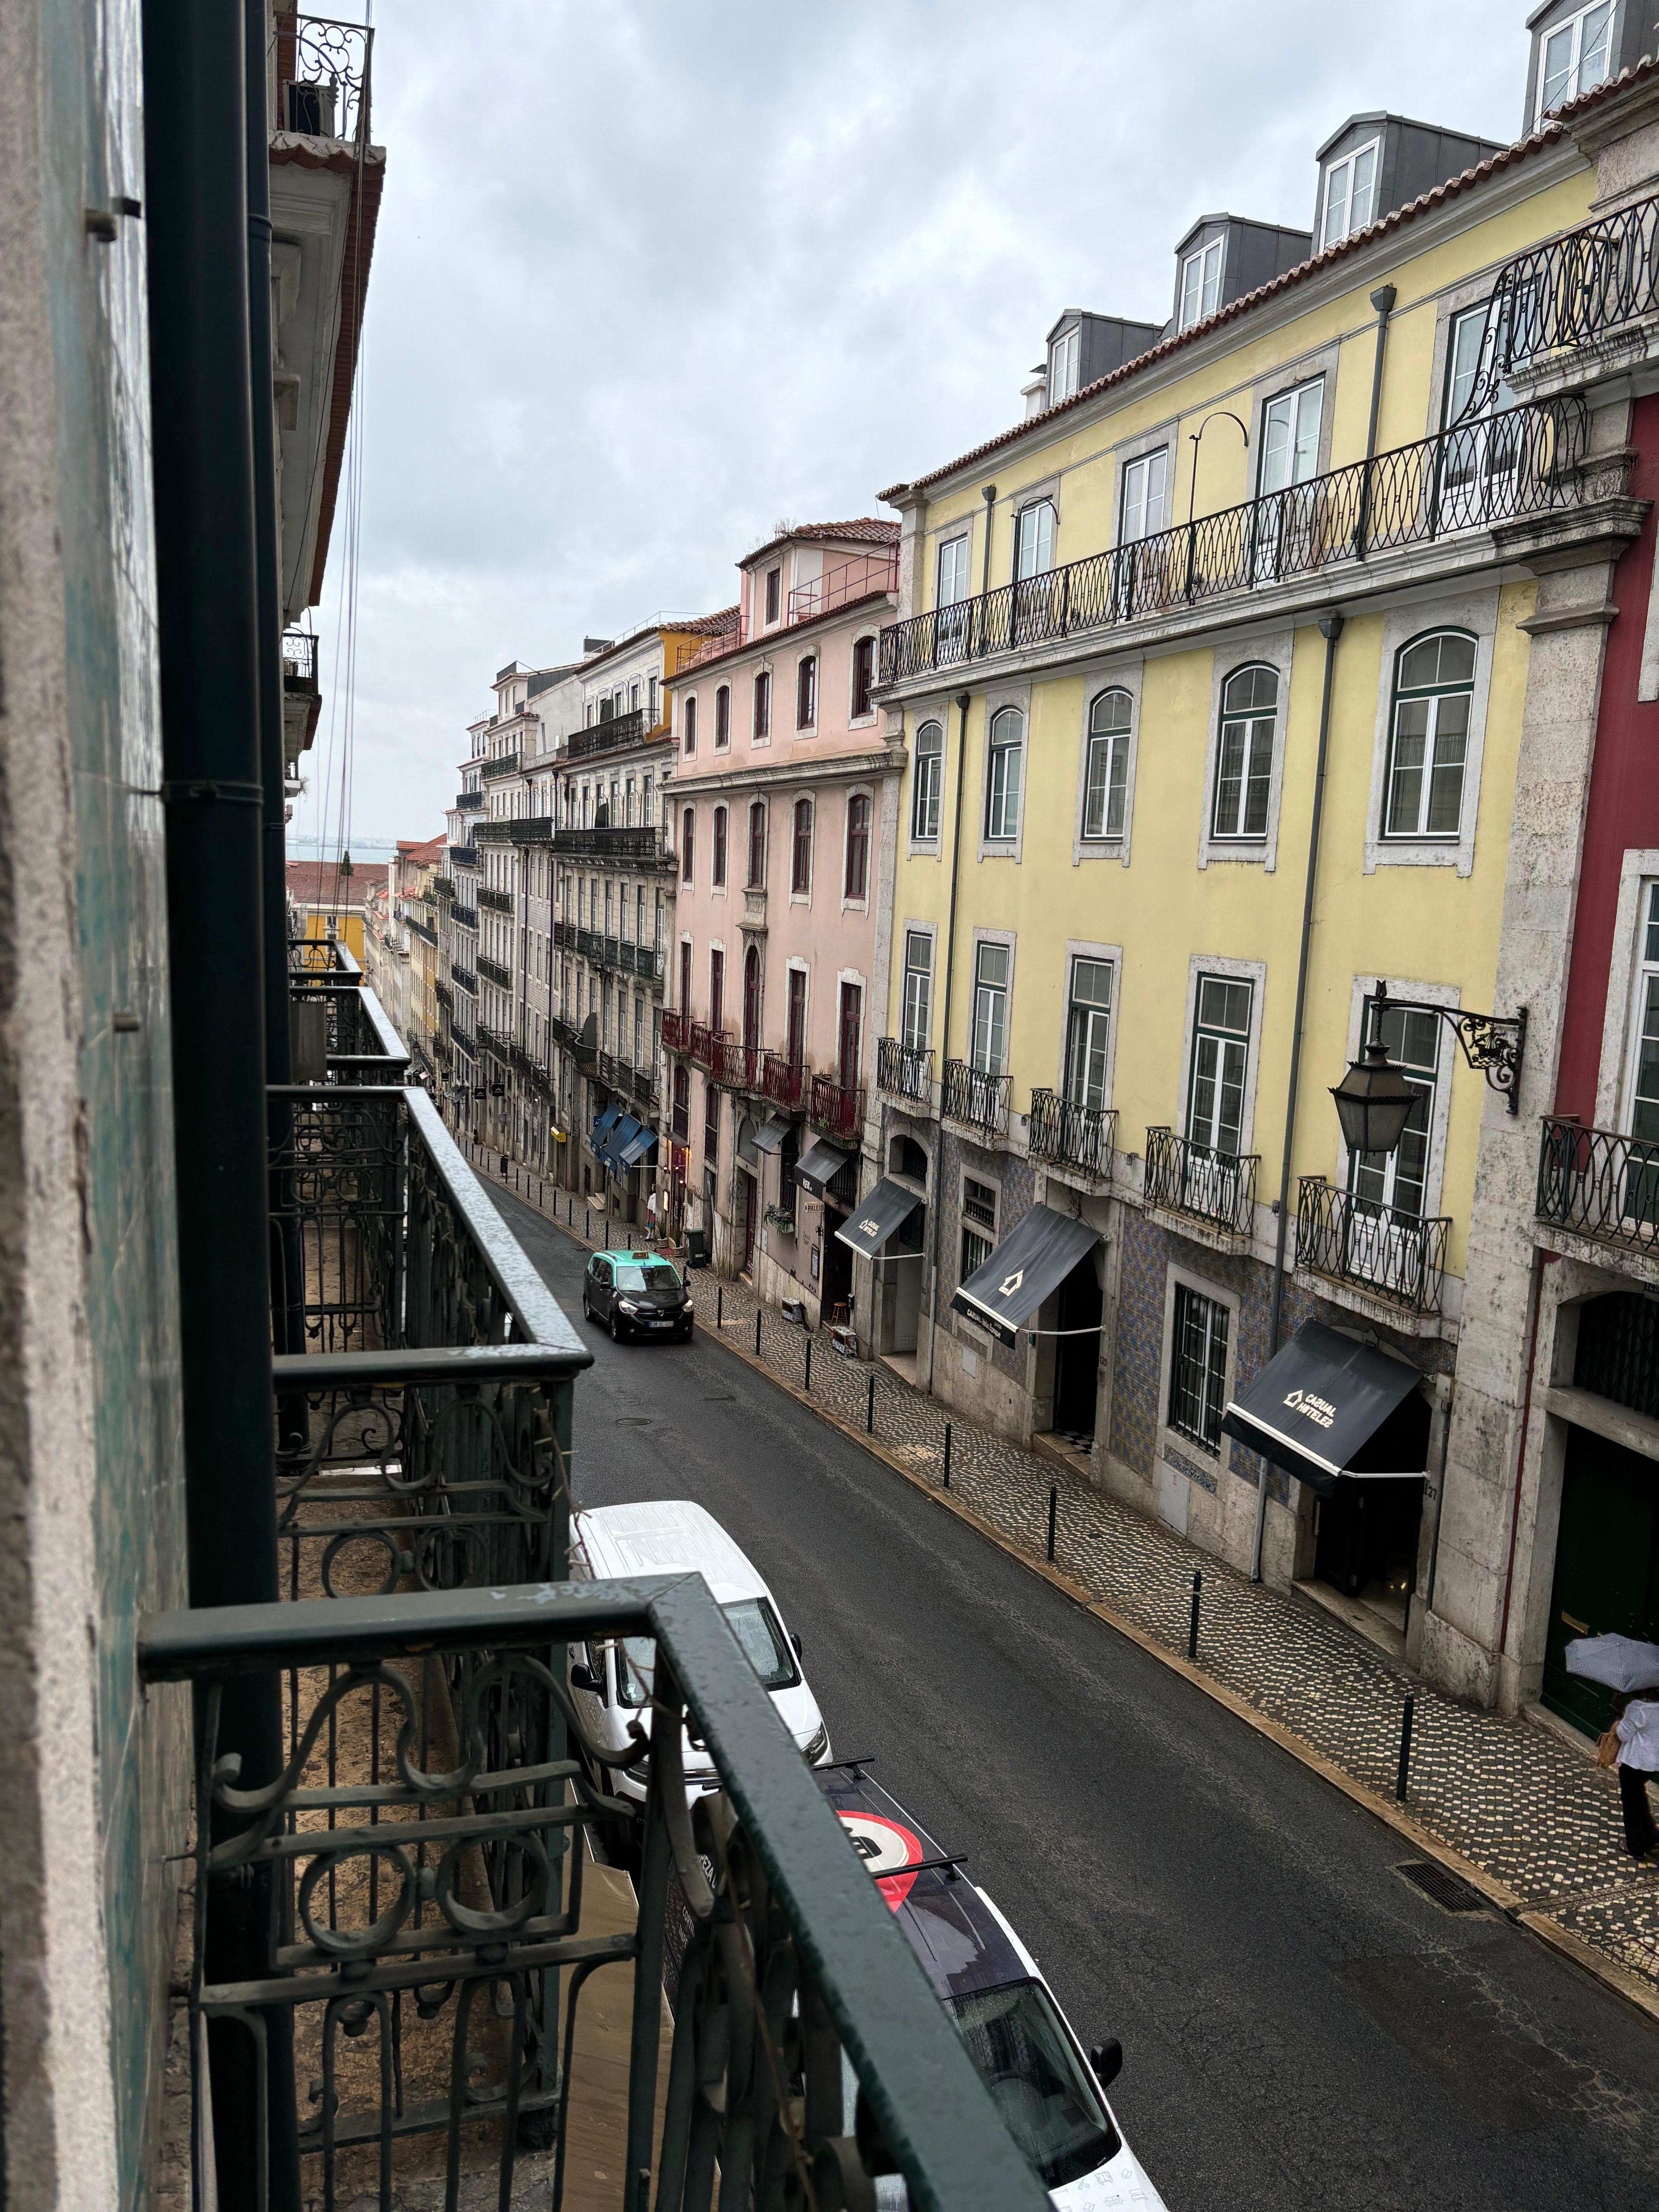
1302	2028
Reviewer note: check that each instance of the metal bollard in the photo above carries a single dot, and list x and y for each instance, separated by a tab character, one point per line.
870	1409
807	1382
947	1455
720	1305
758	1326
1401	1780
1053	1503
1191	1624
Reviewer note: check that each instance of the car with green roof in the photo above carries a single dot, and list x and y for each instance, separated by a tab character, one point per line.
636	1294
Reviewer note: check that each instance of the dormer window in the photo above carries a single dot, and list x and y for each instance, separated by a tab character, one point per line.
1065	357
1350	194
1577	56
1201	283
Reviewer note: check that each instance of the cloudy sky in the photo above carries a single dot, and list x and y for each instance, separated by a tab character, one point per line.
653	275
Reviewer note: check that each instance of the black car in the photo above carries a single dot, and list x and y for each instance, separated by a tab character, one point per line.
636	1294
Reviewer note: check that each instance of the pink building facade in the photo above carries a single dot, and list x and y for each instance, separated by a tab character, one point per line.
783	808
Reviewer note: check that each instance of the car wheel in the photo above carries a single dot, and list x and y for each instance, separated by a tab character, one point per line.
616	1330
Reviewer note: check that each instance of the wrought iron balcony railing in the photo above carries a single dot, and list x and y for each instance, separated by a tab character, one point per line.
705	1045
1073	1136
975	1097
630	729
323	71
496	1040
837	1109
321	955
463	917
675	1030
427	1915
493	972
1400	1258
462	856
300	661
469	802
784	1079
1529	460
905	1070
641	847
464	980
1596	290
500	764
739	1066
1184	1177
341	1026
1600	1183
497	901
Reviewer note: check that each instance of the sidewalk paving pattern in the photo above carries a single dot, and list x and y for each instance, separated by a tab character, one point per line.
1521	1804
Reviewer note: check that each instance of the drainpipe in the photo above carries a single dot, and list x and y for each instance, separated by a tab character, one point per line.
963	699
1383	299
1330	629
209	607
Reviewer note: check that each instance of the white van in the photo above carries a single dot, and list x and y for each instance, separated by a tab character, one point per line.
610	1679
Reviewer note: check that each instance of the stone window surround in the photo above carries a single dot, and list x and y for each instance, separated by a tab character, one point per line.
1167	435
1638	867
1476	613
1253	972
982	936
796	727
960	1325
802	898
868	720
1318	366
969	525
1445	1064
927	710
1219	1294
993	702
1276	649
1077	948
858	791
1109	676
930	930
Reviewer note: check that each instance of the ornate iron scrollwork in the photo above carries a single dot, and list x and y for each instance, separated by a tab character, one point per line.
1491	1044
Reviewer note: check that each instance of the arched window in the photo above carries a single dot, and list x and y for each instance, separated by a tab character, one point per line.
857	882
927	782
864	675
806	693
1429	735
689	726
688	832
1034	539
1106	773
1002	775
762	725
1244	754
800	853
758	846
717	858
722	718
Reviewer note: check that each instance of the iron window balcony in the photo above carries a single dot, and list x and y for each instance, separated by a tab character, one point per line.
1400	1258
628	729
1531	459
1586	303
502	765
496	1040
1073	1136
740	1067
1599	1184
464	980
469	802
497	901
493	972
905	1070
977	1099
837	1109
463	917
358	1043
1196	1180
636	847
784	1079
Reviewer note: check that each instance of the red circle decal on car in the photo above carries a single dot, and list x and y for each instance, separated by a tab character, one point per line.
887	1849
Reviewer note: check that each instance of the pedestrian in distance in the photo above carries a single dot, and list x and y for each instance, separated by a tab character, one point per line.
1636	1731
504	1167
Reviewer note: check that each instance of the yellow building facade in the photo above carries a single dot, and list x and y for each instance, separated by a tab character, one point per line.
1180	792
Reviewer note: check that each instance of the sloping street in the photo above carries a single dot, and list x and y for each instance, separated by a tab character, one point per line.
1302	2027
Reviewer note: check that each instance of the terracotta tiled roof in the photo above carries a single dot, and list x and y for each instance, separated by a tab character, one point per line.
863	530
1548	133
707	625
320	882
421	852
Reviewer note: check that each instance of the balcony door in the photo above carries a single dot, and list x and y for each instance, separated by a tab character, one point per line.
849	1034
716	989
1215	1095
1639	1183
1479	460
1290	457
751	999
795	1035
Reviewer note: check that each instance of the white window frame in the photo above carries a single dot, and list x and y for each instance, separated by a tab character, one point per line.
1003	847
916	842
1477	613
1349	163
1274	649
1175	1450
1143	462
1033	506
1094	685
928	932
1253	972
1110	956
1006	939
1429	995
1066	365
963	537
992	1182
1621	1024
1575	24
1209	281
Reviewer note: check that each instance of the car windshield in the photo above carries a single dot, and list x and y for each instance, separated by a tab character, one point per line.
1049	2103
763	1639
652	1275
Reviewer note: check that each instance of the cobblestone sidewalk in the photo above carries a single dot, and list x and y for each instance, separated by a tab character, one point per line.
1524	1807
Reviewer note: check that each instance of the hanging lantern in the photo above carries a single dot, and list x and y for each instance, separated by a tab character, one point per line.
1374	1102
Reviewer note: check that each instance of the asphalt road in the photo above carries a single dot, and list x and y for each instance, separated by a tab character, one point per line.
1302	2031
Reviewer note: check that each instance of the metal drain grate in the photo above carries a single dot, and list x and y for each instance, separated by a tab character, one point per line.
1448	1891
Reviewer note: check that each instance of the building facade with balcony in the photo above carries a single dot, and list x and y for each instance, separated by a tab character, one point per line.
784	812
1192	806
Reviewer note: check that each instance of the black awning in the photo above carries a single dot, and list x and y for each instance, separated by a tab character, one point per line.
875	1217
1325	1407
771	1134
1034	1259
820	1164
